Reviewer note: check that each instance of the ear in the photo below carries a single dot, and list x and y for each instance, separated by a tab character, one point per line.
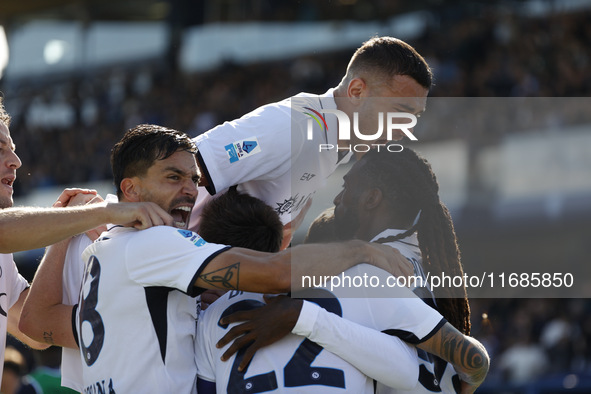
131	188
356	88
372	198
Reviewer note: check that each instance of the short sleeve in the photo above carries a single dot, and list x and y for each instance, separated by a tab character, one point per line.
254	147
169	257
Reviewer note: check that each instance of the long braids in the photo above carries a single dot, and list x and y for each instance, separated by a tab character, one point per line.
411	187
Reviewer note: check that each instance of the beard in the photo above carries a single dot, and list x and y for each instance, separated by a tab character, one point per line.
346	225
5	202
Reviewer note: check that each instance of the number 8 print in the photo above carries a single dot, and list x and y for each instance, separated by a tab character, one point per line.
88	313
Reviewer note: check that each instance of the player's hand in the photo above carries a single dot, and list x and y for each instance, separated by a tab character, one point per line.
97	231
86	199
262	327
67	195
208	297
390	259
141	215
72	197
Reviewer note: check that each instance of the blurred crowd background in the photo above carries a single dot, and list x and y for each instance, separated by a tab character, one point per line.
517	179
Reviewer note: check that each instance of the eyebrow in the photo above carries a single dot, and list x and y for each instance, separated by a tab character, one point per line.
174	169
180	172
5	142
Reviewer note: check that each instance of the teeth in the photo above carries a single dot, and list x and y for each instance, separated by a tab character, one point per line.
180	224
186	209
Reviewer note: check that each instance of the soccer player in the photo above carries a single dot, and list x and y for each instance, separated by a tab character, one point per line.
268	153
393	199
286	365
135	321
30	228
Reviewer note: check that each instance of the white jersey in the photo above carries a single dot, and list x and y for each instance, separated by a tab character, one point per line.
12	284
268	154
435	375
136	315
71	368
292	366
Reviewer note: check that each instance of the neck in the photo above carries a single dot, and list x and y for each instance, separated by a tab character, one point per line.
342	101
368	230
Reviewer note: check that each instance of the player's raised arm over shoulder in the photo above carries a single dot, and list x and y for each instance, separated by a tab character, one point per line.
248	270
336	257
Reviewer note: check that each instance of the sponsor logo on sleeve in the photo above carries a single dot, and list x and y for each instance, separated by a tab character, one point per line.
192	237
239	150
292	204
307	176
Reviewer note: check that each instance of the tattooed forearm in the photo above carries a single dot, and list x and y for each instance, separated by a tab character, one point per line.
226	278
48	337
467	355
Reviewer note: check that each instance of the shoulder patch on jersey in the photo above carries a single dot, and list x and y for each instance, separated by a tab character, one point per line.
192	237
239	150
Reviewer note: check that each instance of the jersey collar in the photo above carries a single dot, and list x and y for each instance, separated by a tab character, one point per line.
411	239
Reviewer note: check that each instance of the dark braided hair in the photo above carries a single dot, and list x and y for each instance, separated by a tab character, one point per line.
409	185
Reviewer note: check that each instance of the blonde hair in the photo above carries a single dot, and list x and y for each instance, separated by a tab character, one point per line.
4	117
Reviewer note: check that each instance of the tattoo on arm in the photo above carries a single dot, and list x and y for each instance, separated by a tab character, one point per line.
469	356
48	337
226	278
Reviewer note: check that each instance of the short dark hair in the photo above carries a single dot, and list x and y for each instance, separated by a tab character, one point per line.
4	117
322	229
141	146
390	56
239	219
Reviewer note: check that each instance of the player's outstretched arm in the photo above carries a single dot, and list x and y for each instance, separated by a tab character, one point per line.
30	228
248	270
382	357
468	356
333	258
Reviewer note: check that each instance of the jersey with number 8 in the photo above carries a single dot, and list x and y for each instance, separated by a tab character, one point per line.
136	316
